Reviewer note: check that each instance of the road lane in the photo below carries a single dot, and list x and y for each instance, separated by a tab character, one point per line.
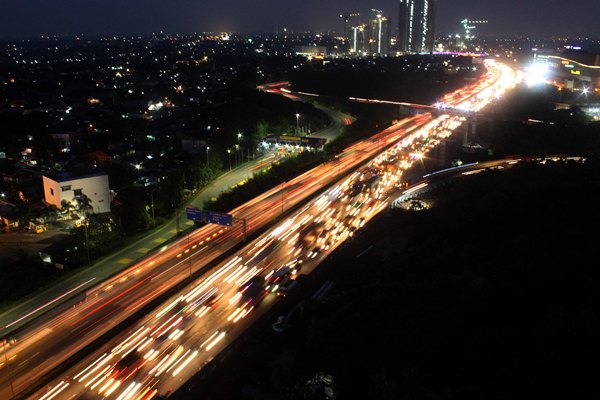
185	332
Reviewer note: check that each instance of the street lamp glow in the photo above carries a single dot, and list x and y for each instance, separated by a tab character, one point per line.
537	73
585	90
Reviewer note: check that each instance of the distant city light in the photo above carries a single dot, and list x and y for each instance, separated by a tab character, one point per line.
536	74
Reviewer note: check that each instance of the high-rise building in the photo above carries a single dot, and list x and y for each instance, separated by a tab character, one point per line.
359	40
379	35
370	39
416	25
347	26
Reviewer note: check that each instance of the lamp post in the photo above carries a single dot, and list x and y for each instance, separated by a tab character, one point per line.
152	201
87	242
207	149
229	154
239	136
585	91
297	124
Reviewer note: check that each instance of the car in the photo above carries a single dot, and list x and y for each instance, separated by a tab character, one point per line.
253	291
277	276
286	289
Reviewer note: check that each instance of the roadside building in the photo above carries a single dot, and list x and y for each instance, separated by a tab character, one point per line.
310	52
70	188
572	69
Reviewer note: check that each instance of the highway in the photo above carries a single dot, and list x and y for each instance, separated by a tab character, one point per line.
56	337
25	311
177	339
173	342
86	277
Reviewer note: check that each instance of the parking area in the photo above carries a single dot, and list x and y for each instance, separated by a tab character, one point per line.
12	243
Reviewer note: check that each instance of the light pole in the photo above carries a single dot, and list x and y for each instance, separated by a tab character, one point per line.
585	91
152	201
229	154
297	124
87	241
239	136
207	149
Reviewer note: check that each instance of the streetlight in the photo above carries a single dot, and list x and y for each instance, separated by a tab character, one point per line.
87	241
207	149
585	91
239	136
152	201
229	154
297	124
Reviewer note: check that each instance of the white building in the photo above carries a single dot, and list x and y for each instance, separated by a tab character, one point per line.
65	186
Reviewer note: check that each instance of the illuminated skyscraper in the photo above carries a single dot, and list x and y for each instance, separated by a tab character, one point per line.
359	40
416	26
379	35
370	39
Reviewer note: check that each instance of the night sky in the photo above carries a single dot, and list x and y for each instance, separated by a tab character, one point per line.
28	18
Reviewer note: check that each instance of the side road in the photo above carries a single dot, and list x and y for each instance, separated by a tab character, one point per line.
87	277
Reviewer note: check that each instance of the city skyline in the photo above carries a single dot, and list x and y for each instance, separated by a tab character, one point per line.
416	25
68	17
365	199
